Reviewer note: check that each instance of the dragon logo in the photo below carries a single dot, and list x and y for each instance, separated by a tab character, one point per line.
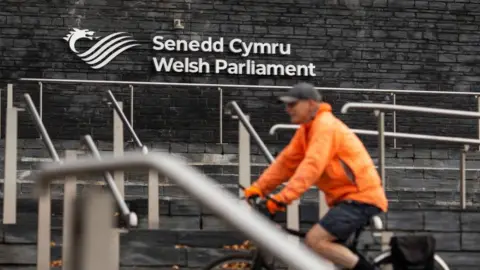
102	52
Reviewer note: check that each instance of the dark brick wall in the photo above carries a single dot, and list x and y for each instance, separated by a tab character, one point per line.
388	44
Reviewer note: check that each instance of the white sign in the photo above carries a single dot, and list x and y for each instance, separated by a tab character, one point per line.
107	48
104	50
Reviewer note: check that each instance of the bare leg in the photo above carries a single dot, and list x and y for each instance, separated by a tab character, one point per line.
321	241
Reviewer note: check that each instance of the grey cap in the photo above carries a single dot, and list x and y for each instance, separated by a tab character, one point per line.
301	91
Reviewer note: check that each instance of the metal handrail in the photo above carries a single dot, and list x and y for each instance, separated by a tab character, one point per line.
220	201
125	121
274	128
241	116
339	89
389	107
379	111
41	128
130	217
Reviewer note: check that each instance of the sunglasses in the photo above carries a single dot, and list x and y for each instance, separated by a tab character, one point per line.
292	104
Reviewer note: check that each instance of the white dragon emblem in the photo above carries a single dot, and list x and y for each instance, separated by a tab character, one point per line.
104	50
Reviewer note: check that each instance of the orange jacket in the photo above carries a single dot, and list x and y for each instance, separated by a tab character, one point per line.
326	153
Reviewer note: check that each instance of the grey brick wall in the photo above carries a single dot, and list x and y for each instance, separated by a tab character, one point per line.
388	44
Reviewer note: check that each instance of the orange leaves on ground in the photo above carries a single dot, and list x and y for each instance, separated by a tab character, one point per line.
56	263
247	245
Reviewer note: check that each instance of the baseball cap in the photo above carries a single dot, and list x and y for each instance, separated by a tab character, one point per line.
301	91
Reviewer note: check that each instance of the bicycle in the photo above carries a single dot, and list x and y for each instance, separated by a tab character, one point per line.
257	260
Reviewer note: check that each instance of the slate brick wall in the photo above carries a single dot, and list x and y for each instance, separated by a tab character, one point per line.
428	45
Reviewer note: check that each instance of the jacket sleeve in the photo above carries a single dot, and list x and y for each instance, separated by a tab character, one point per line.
283	166
318	155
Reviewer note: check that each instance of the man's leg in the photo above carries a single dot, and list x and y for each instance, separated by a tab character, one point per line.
338	224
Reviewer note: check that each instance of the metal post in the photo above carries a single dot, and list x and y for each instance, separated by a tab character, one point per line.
10	177
293	222
9	96
478	120
381	146
131	105
221	114
95	234
322	204
153	207
69	197
463	182
244	174
118	146
40	107
43	230
394	116
1	114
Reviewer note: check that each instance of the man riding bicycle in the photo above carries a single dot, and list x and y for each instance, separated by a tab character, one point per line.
324	152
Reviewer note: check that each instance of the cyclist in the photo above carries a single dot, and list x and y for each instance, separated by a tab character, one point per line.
324	152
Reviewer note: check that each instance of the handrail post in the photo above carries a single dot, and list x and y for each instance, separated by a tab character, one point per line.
153	195
463	182
96	234
10	172
381	146
69	197
118	147
244	163
478	120
43	230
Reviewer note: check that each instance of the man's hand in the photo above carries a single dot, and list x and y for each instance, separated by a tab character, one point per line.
252	191
275	205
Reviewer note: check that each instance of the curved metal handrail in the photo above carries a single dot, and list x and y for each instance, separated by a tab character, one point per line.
221	202
389	107
125	121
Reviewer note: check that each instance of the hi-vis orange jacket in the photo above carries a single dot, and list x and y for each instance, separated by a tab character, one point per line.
326	153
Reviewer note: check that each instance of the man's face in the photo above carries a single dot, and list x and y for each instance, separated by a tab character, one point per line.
300	111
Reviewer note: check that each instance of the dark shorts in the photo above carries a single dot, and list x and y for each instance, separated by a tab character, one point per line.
343	219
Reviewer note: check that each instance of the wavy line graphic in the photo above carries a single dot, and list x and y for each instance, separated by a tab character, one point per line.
104	50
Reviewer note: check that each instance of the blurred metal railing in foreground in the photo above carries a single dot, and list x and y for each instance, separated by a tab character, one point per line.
120	120
224	205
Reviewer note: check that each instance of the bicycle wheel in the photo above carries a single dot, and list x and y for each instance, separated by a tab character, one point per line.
385	259
234	261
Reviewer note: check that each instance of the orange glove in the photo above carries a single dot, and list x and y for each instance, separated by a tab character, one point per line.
252	191
273	207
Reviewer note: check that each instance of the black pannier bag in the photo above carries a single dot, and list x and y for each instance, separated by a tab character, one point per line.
413	252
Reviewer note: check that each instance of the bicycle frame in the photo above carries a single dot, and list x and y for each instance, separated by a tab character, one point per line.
260	260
